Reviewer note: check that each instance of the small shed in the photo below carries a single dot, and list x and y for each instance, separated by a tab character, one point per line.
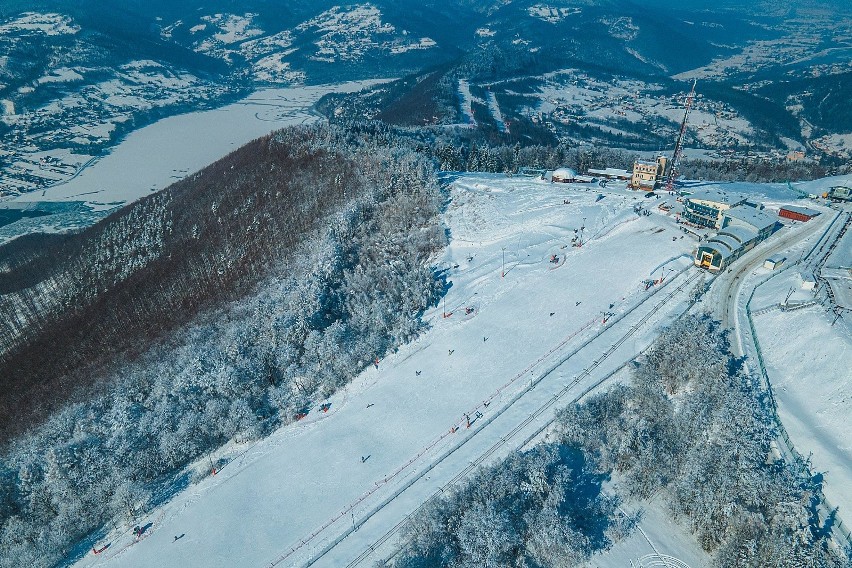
774	262
797	213
809	281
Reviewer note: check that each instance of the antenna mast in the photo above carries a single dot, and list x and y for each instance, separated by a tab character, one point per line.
679	144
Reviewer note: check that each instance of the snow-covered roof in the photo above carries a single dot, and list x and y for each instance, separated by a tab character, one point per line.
740	233
718	248
748	216
611	172
725	244
801	210
564	173
718	196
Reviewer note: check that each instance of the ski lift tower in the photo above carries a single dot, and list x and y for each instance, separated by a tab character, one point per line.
679	144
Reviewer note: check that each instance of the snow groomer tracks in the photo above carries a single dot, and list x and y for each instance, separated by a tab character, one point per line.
495	429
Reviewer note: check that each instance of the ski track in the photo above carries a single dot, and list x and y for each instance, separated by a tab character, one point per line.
293	497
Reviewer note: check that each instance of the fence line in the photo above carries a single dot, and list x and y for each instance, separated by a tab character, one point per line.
798	459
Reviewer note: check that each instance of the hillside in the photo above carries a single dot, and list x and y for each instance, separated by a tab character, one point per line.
203	314
72	305
519	335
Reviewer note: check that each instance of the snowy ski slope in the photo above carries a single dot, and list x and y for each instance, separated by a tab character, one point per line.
330	489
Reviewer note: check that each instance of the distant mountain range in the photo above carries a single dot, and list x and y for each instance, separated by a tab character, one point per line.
778	70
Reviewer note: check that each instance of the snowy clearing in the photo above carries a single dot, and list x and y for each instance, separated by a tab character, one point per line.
307	495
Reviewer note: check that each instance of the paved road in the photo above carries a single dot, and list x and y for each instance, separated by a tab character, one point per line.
730	305
727	286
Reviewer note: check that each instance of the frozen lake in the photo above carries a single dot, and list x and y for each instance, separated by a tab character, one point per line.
162	153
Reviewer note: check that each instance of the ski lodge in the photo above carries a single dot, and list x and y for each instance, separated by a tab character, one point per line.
707	208
741	229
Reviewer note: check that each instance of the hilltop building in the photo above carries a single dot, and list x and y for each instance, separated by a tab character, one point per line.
706	208
648	174
741	229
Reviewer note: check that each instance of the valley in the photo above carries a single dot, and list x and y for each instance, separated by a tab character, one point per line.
156	156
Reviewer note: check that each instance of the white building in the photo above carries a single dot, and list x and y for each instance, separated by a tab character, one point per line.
563	175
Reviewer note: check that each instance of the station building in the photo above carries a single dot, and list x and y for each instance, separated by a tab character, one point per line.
741	229
706	208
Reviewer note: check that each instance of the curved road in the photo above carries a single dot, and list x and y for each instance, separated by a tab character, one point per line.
728	288
727	285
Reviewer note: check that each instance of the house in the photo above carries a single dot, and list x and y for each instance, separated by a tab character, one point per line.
809	281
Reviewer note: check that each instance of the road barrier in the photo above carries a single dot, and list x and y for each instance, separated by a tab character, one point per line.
825	509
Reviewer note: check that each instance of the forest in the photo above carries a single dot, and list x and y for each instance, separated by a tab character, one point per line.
479	156
484	150
215	310
690	425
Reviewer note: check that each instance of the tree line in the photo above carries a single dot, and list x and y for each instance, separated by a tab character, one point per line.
473	150
690	425
251	292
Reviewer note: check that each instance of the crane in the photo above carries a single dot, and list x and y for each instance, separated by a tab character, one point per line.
679	144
